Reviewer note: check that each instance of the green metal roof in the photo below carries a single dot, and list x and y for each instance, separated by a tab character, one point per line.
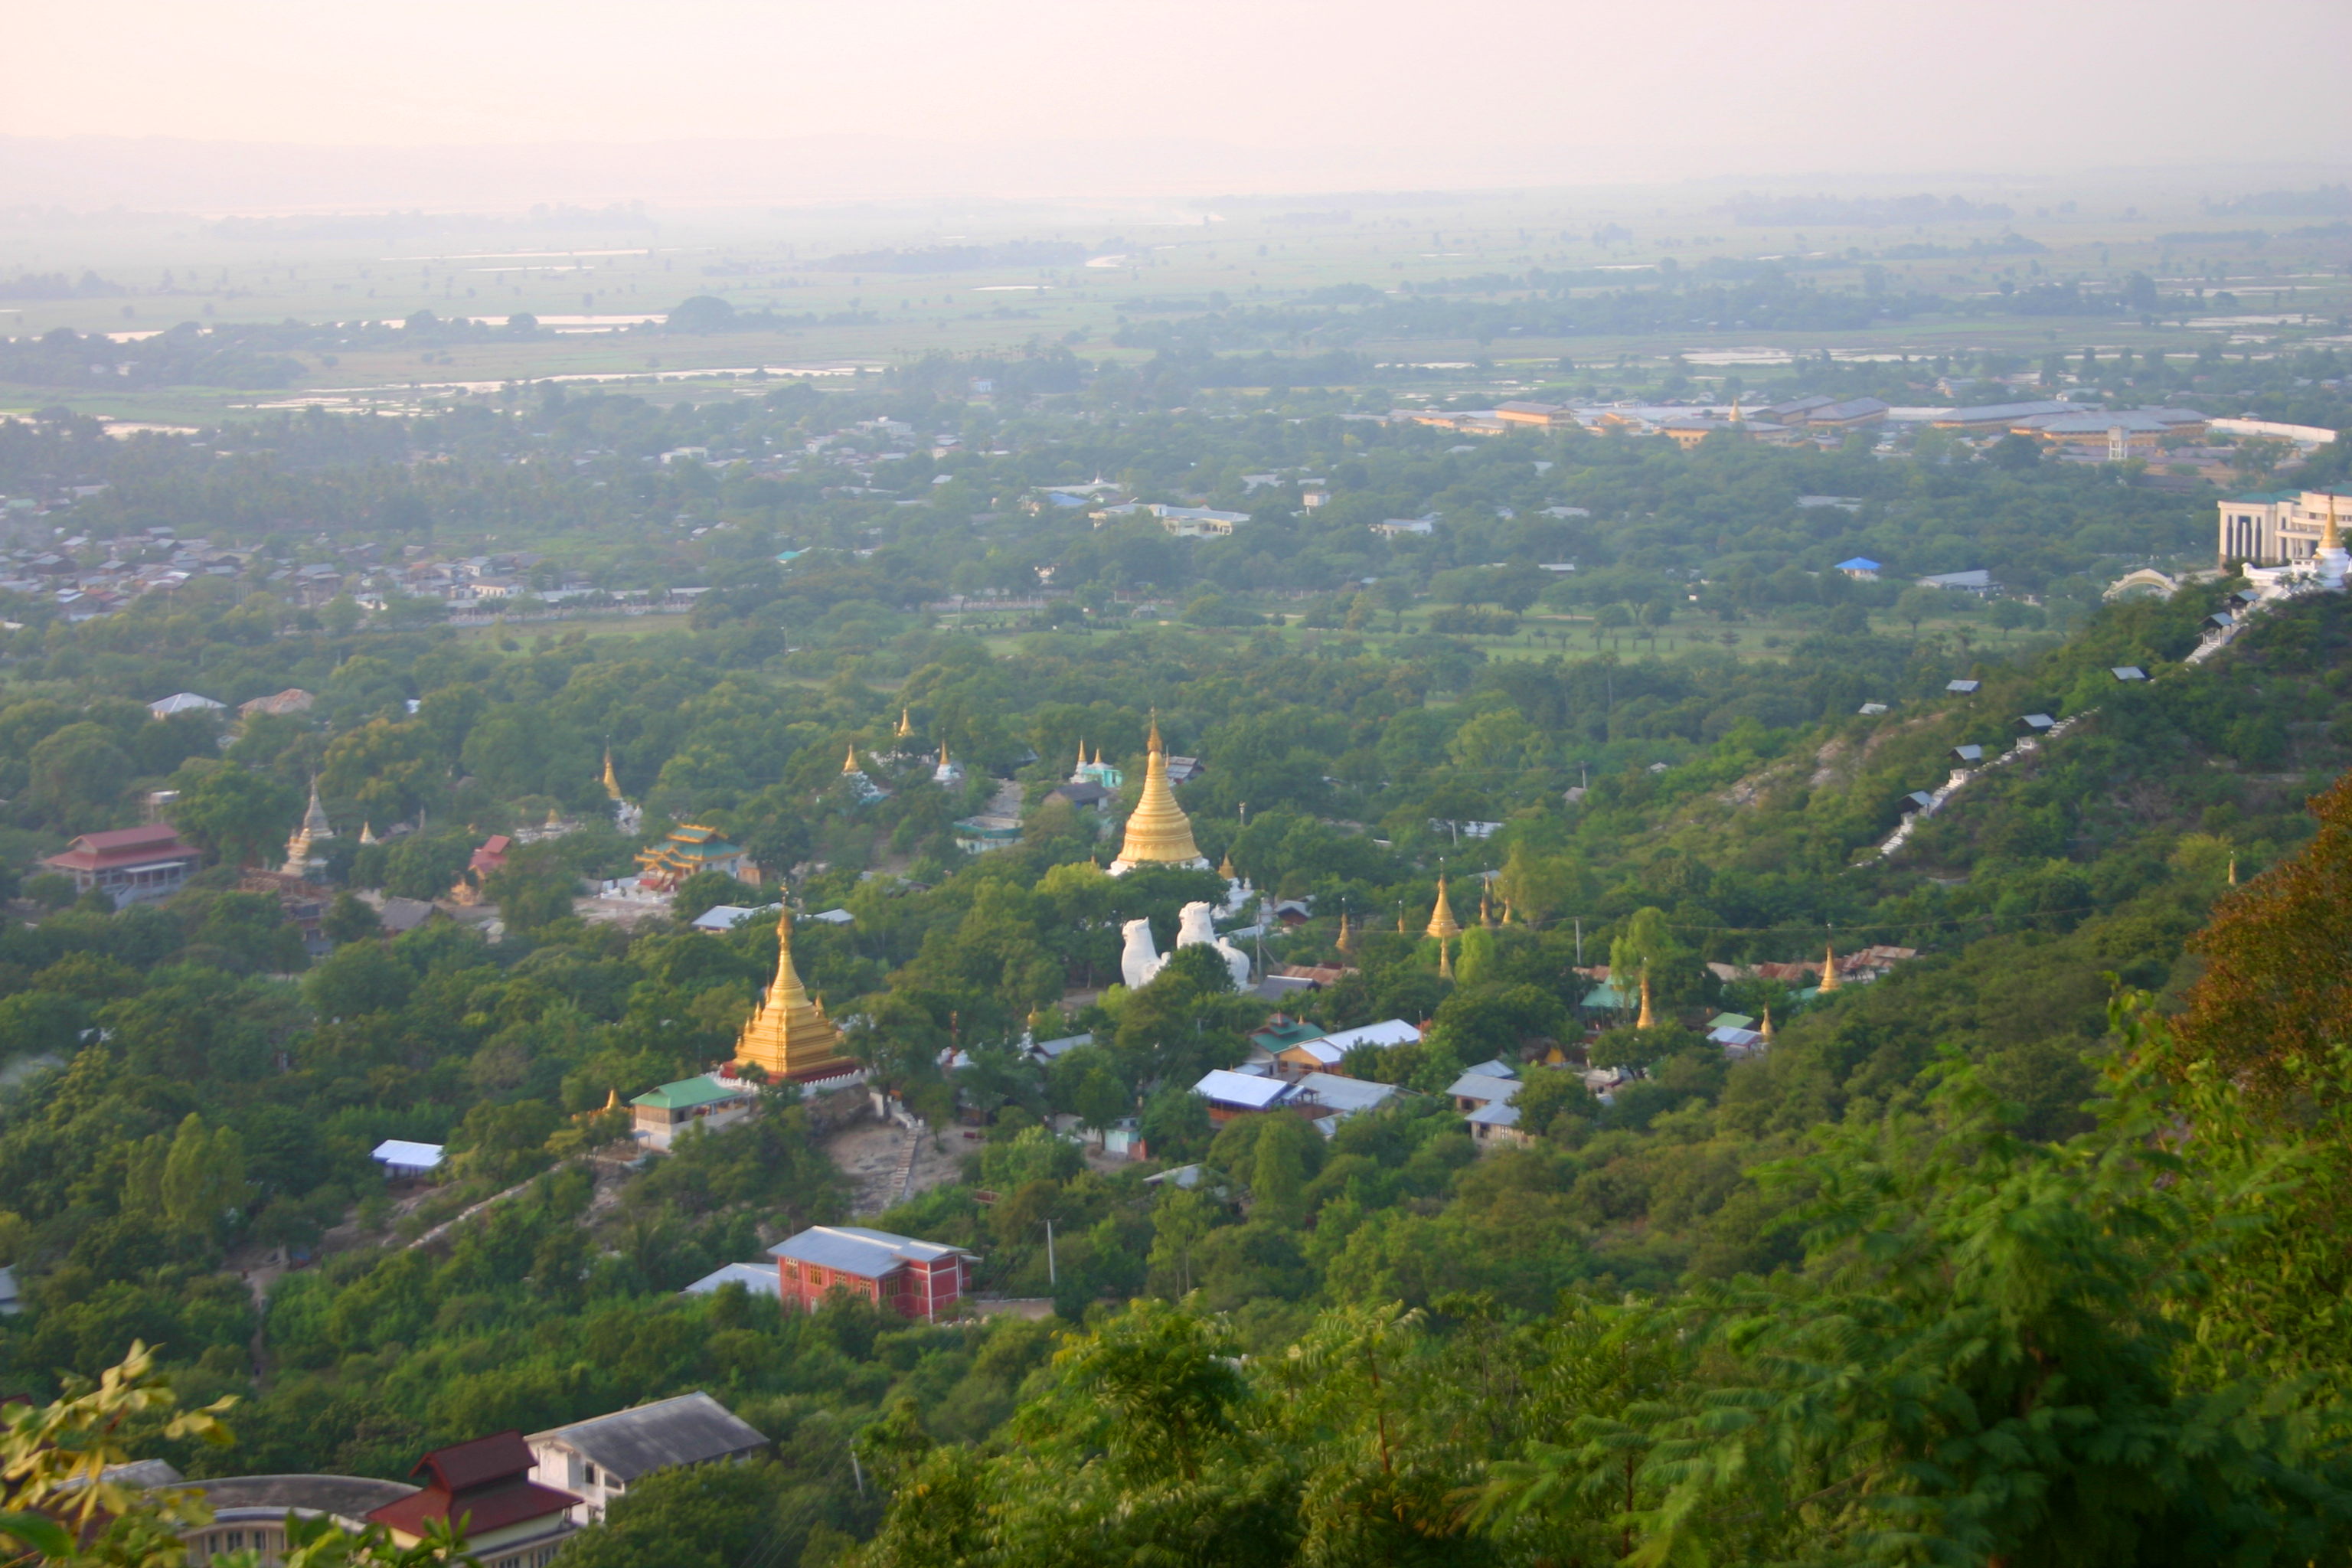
687	1093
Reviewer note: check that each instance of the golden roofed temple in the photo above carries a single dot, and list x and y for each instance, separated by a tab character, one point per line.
790	1037
1159	833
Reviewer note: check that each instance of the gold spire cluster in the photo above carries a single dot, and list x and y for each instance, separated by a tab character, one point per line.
789	1037
1158	833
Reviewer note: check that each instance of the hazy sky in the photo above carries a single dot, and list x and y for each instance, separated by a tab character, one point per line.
1494	93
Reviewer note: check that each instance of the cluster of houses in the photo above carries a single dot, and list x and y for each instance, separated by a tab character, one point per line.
88	579
518	1498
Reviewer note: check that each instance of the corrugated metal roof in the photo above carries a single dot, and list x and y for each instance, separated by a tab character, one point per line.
1240	1089
854	1249
1346	1095
1479	1086
691	1429
689	1092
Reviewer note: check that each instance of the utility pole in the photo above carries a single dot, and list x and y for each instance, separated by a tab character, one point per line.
1580	942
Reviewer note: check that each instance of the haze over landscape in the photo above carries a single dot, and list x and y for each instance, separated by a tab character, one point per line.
1031	783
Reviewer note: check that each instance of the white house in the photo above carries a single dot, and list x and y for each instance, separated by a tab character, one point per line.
599	1459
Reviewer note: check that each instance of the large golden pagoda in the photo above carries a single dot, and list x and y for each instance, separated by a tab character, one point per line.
790	1037
1158	833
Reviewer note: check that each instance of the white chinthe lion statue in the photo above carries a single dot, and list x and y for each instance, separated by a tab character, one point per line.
1139	961
1194	930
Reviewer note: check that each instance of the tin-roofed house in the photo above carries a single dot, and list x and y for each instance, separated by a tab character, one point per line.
658	1116
921	1279
599	1459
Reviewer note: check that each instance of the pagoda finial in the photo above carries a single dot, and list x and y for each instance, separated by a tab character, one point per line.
1081	753
1829	969
851	766
1444	962
612	779
1346	942
1767	1030
1154	744
1648	1020
906	723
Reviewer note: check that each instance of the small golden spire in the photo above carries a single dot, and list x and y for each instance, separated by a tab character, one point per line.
1829	969
1225	867
612	779
1346	942
2329	537
943	753
1153	744
1444	962
1400	923
851	766
1647	1020
1082	756
367	833
611	1100
1767	1030
1508	917
1486	907
1442	923
906	724
2233	871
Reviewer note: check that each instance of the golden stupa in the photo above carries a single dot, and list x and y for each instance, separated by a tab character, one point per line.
1829	969
1158	833
1442	923
1649	1019
612	779
790	1037
906	723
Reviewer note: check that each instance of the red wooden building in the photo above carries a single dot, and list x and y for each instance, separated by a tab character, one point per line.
921	1279
485	1488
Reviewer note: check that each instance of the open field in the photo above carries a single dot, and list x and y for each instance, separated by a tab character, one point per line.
854	287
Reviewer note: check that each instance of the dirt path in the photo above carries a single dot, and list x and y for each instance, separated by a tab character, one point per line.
869	1154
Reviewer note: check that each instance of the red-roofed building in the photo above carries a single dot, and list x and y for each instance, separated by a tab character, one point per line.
129	865
491	857
485	1489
